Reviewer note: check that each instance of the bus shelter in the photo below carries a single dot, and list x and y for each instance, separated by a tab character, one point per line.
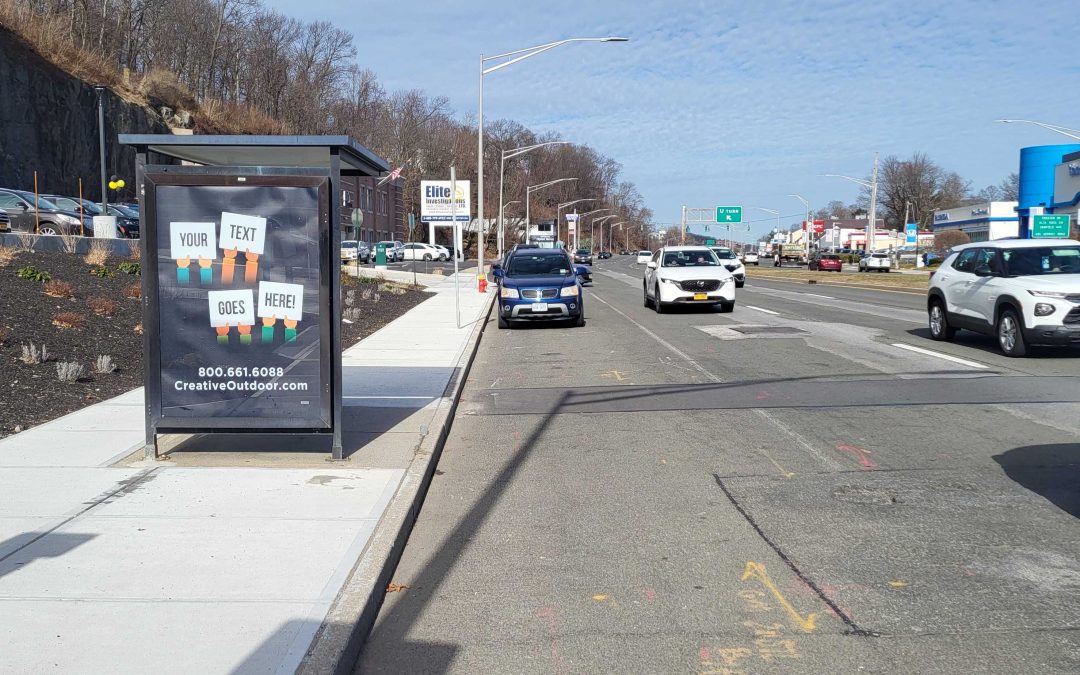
241	282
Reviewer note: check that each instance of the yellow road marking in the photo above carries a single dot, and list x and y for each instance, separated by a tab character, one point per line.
757	570
599	598
898	583
787	474
619	377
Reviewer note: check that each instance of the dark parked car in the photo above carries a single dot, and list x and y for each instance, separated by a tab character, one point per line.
45	218
127	220
127	224
539	285
603	255
5	221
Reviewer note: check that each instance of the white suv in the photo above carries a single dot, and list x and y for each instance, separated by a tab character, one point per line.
1024	291
687	275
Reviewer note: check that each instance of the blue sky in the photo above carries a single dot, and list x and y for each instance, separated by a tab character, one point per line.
744	102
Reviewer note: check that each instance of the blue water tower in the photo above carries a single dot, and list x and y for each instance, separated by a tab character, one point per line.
1037	165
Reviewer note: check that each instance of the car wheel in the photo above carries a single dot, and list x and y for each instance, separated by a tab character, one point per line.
48	228
1010	331
503	322
645	295
727	306
580	320
657	304
427	257
939	323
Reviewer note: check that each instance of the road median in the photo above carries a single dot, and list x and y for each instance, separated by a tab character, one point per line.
900	283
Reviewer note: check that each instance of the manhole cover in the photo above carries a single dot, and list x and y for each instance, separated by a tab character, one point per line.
767	330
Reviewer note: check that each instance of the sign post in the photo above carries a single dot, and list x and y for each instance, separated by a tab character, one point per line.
1050	226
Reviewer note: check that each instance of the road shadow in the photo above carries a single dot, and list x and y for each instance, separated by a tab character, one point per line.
19	551
1052	471
989	345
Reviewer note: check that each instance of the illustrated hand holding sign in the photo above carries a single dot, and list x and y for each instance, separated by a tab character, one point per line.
193	240
280	301
242	233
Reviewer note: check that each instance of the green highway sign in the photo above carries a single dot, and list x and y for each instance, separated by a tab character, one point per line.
1053	226
729	214
710	242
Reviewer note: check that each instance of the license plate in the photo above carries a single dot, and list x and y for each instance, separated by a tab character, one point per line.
701	296
539	307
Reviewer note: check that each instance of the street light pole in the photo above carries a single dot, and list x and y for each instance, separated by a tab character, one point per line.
601	220
592	241
872	185
101	144
772	211
806	228
558	210
529	189
508	154
1064	131
517	55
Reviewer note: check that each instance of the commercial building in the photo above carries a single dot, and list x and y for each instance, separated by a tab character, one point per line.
983	221
382	206
1049	183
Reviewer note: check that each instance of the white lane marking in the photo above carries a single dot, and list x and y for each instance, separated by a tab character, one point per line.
818	295
675	350
927	352
760	309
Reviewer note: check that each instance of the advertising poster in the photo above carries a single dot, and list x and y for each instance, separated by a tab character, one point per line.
239	277
436	204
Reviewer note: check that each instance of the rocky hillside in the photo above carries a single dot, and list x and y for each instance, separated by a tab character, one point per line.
48	124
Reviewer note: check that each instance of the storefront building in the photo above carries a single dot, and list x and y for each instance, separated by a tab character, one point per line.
1049	182
382	207
980	222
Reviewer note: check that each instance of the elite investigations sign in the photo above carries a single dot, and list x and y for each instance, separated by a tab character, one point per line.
240	267
436	203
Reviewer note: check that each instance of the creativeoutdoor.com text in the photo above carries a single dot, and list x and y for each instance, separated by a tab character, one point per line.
239	385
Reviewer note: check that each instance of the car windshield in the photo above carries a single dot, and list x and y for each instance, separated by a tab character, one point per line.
125	211
641	253
350	244
583	251
538	265
724	254
1025	262
690	259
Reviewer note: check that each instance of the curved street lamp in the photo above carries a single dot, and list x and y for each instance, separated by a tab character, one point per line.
508	154
1064	131
533	188
512	58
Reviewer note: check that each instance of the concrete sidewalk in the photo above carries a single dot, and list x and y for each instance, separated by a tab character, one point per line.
226	561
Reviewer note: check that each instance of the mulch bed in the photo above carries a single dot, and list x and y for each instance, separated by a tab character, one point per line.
31	394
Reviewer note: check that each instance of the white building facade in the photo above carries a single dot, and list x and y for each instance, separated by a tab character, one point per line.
980	222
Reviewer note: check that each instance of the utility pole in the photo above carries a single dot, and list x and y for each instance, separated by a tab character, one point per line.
682	230
101	143
871	232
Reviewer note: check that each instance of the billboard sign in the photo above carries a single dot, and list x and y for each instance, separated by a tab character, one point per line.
240	270
436	203
1050	226
911	233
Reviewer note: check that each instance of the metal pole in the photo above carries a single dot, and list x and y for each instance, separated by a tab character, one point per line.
502	169
454	224
871	232
481	230
101	144
527	225
683	229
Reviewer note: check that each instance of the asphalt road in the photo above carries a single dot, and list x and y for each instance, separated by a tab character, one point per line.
791	487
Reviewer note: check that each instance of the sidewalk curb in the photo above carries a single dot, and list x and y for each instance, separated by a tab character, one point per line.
338	642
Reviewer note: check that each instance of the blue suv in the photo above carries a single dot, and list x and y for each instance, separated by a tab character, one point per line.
538	284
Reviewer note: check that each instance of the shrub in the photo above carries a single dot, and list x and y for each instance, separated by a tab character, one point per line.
132	292
103	272
98	254
162	86
136	249
70	371
31	355
102	306
34	274
129	268
104	364
68	320
943	241
7	254
69	242
26	241
59	289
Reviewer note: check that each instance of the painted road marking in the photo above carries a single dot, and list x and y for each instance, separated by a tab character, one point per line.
927	352
761	309
818	295
757	571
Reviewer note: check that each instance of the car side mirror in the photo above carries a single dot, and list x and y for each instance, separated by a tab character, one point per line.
983	271
651	265
580	271
497	272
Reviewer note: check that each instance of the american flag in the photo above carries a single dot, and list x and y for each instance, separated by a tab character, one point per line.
393	175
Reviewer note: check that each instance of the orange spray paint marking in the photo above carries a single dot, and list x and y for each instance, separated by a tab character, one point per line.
548	614
650	595
228	266
861	454
251	267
